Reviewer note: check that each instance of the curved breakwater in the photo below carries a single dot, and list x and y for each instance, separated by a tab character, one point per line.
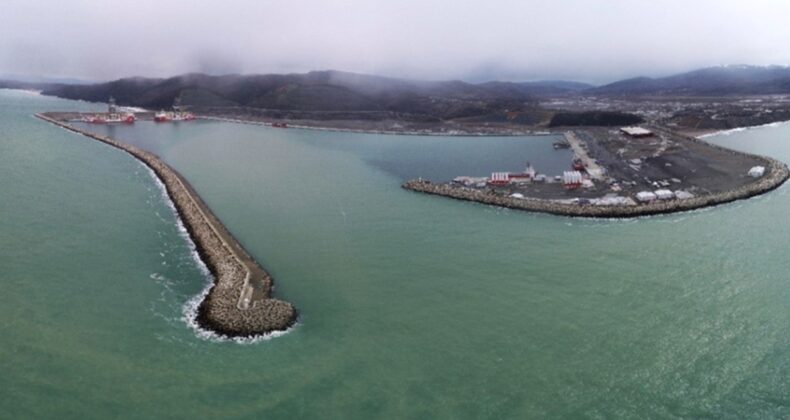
239	303
776	174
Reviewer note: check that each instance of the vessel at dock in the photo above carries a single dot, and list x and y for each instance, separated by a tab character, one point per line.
163	116
177	114
112	116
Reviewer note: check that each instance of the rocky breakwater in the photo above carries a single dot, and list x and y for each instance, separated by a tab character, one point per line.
239	303
775	175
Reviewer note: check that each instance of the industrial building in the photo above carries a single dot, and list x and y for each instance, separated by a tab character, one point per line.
504	178
636	132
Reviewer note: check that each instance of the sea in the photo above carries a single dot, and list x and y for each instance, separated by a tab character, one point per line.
410	306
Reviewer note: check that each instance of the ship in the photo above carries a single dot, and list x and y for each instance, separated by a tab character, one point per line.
113	115
177	114
162	116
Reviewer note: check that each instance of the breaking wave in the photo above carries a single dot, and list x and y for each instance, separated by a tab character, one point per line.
189	311
740	129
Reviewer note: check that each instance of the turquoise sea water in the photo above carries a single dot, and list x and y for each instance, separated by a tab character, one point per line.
411	306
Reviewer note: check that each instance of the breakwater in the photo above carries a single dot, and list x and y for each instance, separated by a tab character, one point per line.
776	174
240	302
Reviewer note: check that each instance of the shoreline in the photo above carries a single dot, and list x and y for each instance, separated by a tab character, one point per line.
239	303
542	131
729	131
530	133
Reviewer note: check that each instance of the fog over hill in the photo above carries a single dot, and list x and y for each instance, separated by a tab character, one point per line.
335	91
723	80
321	91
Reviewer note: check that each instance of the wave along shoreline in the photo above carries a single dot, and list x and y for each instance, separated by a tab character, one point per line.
189	310
238	304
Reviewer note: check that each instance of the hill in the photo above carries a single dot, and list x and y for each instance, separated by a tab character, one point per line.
322	91
712	81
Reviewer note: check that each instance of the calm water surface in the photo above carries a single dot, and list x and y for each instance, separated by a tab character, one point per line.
411	306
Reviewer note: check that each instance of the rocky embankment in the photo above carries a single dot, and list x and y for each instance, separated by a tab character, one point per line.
240	302
775	175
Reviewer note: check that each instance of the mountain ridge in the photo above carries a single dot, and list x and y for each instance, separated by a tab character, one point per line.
709	81
320	91
346	93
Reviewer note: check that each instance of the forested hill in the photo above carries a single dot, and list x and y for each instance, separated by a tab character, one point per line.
321	91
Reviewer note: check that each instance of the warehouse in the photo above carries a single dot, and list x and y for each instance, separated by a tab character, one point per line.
636	132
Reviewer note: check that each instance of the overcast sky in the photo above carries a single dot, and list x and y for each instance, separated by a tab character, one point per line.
594	40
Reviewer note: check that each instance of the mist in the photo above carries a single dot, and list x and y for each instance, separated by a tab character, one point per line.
591	41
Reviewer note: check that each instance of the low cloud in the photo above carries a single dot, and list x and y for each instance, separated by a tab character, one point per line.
595	41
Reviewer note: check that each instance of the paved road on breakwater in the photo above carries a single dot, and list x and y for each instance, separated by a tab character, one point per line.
239	304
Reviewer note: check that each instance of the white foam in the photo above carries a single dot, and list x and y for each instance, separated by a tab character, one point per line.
190	308
190	314
739	129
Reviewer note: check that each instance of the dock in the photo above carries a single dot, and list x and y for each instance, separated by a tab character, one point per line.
595	171
778	174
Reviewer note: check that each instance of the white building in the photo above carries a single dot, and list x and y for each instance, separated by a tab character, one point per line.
664	194
757	171
646	196
572	178
636	131
683	195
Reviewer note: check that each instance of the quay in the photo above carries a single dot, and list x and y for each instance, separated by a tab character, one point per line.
595	171
625	173
239	303
776	174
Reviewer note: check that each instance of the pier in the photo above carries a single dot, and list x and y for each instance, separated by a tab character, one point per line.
595	171
239	304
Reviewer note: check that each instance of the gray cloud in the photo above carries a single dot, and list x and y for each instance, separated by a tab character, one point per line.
593	40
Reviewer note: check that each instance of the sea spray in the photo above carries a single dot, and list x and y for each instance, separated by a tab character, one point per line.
741	129
189	311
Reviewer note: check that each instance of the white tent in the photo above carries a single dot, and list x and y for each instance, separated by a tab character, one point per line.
612	200
665	194
500	177
757	171
646	196
572	177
